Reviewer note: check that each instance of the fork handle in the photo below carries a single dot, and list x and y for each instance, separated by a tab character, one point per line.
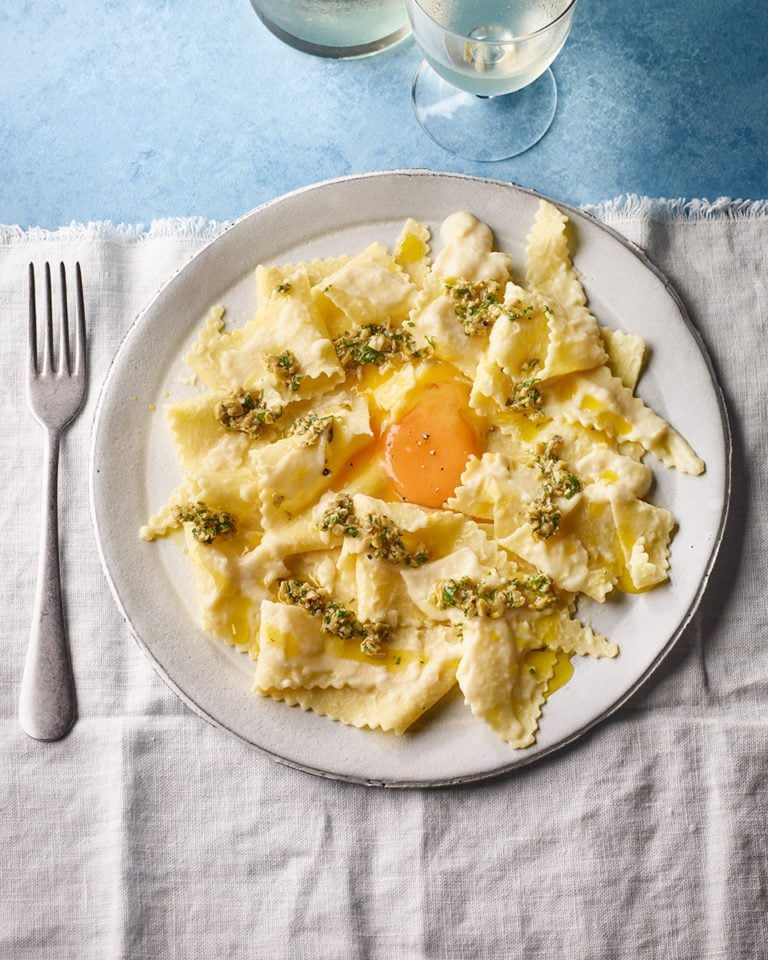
47	703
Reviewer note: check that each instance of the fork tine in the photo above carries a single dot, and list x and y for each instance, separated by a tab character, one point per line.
64	329
32	327
48	343
80	357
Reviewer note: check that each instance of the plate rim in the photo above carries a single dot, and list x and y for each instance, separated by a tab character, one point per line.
519	762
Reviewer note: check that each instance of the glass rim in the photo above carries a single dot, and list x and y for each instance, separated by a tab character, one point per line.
497	43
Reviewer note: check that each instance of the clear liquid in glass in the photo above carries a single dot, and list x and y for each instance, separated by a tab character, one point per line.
335	28
491	47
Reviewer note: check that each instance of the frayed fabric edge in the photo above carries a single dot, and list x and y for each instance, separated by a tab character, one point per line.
174	228
631	206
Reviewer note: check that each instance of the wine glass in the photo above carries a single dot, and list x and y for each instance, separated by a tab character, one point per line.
485	90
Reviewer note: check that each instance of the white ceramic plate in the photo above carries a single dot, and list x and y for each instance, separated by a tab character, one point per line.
134	469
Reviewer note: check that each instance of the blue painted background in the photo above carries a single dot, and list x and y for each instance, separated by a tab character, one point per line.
138	109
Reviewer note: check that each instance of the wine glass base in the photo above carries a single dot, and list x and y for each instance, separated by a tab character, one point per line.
483	128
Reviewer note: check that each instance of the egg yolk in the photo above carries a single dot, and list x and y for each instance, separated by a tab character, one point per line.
427	451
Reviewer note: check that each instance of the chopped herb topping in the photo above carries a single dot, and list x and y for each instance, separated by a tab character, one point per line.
376	344
544	518
526	396
474	599
334	617
385	541
525	313
340	518
207	524
381	537
247	412
477	303
286	369
313	428
556	481
283	287
299	593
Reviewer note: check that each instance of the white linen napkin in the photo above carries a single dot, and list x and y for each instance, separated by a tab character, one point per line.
148	834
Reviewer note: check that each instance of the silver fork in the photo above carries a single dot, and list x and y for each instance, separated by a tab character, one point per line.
55	391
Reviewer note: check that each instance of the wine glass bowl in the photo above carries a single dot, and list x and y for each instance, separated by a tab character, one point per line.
485	90
341	29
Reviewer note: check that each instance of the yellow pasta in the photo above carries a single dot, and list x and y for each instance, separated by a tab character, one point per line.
404	470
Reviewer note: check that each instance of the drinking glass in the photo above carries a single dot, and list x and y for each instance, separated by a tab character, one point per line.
485	90
335	28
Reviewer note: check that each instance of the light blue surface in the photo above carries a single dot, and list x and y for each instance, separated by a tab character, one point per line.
140	109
